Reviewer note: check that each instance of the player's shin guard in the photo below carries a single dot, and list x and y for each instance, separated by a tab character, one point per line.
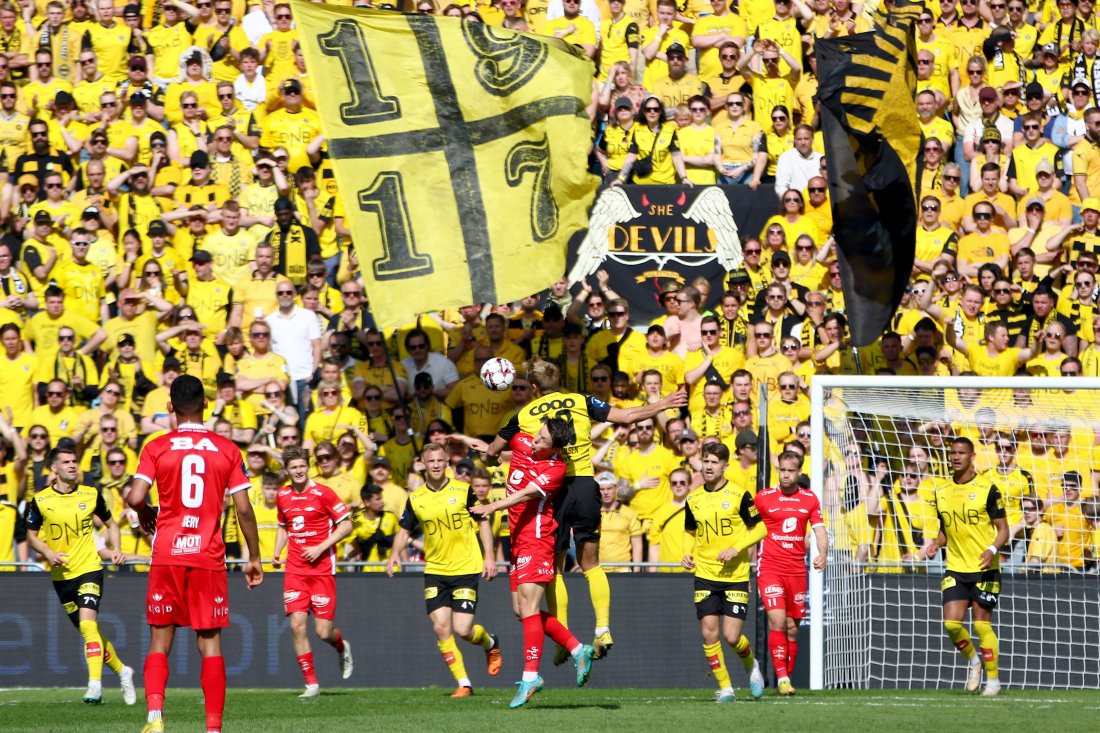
792	653
453	657
337	641
744	652
305	663
557	599
777	646
987	639
213	690
717	661
532	642
110	656
960	637
93	649
600	591
156	680
557	632
481	637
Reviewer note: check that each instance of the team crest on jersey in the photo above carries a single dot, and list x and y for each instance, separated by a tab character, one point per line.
82	506
971	496
725	505
452	500
789	525
297	523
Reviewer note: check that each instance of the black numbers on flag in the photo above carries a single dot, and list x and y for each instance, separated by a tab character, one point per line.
386	199
506	62
345	41
534	158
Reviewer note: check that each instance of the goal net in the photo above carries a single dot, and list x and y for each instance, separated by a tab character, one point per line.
880	448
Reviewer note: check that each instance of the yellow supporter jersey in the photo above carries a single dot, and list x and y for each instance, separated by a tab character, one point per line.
267	527
451	545
719	519
374	537
618	527
668	534
577	409
966	513
13	136
112	47
636	466
64	522
321	424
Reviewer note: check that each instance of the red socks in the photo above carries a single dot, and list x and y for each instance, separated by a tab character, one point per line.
156	680
532	642
556	631
338	641
305	663
792	653
213	690
777	645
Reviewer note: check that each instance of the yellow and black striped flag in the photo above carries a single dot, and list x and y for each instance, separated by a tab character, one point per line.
460	152
873	154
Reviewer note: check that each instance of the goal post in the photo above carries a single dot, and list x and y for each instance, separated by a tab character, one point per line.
879	449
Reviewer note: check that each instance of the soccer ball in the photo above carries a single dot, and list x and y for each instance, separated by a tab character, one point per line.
497	373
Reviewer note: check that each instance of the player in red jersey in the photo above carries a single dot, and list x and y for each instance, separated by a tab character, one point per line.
312	519
536	472
781	575
193	468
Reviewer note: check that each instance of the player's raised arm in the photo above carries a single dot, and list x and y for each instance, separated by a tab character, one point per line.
642	412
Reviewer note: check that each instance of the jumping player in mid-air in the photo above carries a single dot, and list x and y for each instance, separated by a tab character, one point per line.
534	475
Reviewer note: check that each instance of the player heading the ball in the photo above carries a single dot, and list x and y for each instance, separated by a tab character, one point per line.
193	469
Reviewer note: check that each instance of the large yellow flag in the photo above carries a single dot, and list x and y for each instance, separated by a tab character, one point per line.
460	151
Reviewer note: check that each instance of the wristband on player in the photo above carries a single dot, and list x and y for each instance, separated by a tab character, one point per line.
993	549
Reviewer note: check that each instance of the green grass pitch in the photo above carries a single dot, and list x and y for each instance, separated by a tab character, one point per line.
560	711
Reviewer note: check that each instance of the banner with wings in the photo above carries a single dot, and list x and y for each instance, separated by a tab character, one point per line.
649	236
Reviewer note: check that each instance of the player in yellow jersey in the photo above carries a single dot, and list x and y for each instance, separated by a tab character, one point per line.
577	505
60	527
974	529
453	562
725	524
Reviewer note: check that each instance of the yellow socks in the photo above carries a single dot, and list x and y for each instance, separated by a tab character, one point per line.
717	662
557	599
453	657
960	638
110	656
481	637
93	649
987	639
600	592
744	651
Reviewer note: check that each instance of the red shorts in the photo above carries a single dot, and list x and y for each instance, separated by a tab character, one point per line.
532	560
306	593
181	596
783	591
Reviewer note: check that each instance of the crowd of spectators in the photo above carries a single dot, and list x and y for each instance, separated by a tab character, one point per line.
168	208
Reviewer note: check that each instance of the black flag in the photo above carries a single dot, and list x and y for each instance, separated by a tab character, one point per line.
873	153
